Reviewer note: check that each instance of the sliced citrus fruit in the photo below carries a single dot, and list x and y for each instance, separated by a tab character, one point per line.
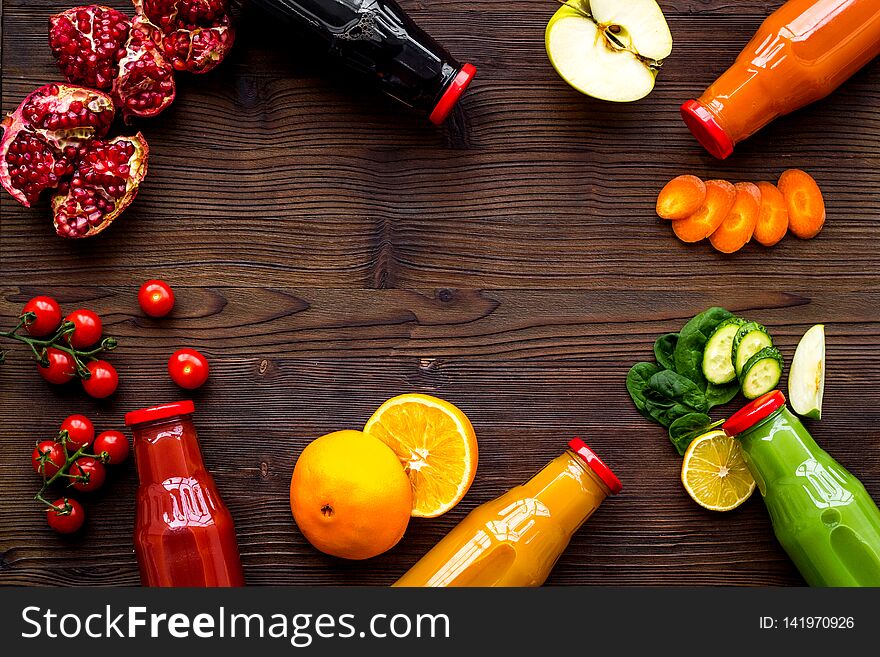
714	472
436	444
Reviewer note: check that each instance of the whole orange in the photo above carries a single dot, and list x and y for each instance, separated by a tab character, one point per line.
350	496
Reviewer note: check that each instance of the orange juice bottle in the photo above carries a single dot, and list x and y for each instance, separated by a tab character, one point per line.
516	539
802	52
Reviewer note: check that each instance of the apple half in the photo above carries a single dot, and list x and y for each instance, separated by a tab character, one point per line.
609	49
806	378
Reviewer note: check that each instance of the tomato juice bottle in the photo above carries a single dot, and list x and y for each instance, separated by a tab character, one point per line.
184	534
378	39
516	539
802	52
822	515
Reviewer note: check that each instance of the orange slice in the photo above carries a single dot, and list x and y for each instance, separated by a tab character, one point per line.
436	444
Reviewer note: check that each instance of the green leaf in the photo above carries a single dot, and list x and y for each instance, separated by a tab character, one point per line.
679	389
664	347
683	431
637	383
717	395
688	354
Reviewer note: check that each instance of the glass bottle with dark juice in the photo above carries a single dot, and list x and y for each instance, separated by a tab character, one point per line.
378	39
184	534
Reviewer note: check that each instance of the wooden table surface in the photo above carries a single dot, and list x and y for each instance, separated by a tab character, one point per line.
330	250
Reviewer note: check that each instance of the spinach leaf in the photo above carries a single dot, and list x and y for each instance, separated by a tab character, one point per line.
688	354
637	383
683	431
716	395
664	347
664	411
680	389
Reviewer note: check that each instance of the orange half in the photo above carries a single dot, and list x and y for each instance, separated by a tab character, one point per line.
436	444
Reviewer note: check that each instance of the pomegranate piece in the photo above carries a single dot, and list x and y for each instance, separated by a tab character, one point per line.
41	138
144	86
195	34
105	180
88	43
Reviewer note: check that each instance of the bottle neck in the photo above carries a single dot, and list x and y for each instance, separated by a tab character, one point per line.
569	490
166	449
739	102
776	446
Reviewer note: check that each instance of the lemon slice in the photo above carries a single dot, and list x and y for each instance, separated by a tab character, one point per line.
714	472
436	444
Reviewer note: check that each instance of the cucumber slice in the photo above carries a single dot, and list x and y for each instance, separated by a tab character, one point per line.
761	373
749	340
718	355
806	380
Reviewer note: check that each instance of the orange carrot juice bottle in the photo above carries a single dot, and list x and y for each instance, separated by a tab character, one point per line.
516	539
802	52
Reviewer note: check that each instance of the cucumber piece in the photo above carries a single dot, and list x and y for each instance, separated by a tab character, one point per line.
761	373
749	340
806	378
718	355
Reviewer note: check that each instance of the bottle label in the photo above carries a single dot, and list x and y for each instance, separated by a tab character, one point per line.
824	485
187	503
517	519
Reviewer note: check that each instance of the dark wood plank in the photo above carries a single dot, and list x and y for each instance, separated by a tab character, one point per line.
330	250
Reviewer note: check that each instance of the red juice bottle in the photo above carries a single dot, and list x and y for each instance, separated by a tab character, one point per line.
378	39
184	534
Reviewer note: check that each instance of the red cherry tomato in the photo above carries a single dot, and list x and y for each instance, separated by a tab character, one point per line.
156	298
80	430
54	460
86	466
188	368
114	444
69	520
48	314
61	367
88	328
103	381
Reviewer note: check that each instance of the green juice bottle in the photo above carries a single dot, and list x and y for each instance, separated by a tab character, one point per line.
822	515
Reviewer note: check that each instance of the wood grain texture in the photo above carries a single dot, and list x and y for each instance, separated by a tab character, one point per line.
330	250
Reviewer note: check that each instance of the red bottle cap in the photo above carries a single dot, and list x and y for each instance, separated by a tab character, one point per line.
160	412
706	129
753	412
455	89
596	464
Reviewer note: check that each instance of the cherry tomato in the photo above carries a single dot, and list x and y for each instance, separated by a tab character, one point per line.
69	520
48	314
80	430
114	444
188	368
55	459
156	298
61	367
88	328
86	466
103	381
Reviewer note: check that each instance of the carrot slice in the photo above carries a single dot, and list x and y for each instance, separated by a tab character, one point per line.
806	207
720	195
681	197
773	218
739	224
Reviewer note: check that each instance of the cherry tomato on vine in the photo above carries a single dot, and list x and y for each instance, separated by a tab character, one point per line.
86	466
80	431
103	381
188	368
69	522
88	328
48	314
114	444
61	367
52	463
156	298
